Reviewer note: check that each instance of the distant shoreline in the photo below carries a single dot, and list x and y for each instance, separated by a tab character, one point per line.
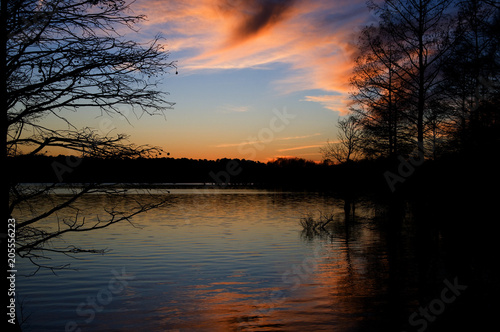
132	185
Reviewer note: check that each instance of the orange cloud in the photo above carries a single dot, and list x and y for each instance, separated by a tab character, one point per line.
335	103
301	147
227	145
314	38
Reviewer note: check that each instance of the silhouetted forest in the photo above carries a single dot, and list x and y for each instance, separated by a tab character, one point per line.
386	176
292	173
425	79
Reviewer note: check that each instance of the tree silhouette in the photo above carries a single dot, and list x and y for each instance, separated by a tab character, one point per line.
381	95
422	33
58	57
470	85
348	147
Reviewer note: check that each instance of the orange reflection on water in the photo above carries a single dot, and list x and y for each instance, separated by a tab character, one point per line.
219	262
339	293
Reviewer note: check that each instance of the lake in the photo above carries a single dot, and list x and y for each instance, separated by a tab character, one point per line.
230	260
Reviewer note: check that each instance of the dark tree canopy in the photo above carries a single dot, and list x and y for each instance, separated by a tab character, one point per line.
426	78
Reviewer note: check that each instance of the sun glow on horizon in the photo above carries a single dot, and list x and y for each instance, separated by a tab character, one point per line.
237	62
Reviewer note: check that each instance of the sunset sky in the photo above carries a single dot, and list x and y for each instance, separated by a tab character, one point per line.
241	64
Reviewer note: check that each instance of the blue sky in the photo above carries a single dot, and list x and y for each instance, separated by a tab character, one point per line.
240	62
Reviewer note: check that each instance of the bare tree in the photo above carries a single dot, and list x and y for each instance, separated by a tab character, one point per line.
422	32
380	94
58	57
472	72
347	148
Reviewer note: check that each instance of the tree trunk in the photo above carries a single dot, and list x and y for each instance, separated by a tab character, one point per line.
5	185
421	82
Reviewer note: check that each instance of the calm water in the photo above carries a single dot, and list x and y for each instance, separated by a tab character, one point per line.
224	260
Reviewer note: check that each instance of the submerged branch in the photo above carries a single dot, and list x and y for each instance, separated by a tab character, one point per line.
308	222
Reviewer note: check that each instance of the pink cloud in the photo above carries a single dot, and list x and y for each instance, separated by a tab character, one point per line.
314	38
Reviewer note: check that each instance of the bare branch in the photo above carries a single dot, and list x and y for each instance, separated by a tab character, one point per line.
66	56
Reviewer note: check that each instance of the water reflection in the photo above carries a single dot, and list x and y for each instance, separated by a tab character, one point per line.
239	261
344	288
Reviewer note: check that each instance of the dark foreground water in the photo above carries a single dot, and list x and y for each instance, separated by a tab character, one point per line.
238	260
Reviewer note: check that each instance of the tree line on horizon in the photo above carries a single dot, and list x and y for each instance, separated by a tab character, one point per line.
425	80
220	172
